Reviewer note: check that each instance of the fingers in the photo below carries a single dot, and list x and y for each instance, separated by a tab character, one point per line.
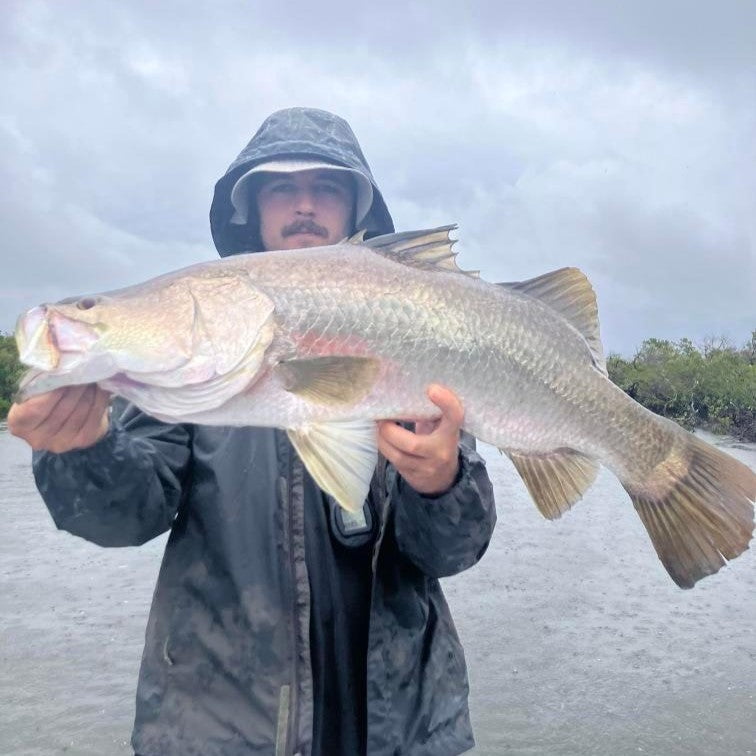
65	407
398	446
429	458
26	417
86	424
430	474
428	433
426	427
400	439
61	420
95	423
408	465
415	452
428	463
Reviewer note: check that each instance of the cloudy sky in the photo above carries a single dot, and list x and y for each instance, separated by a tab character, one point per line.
616	137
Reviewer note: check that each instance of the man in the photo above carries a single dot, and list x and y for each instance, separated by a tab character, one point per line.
279	625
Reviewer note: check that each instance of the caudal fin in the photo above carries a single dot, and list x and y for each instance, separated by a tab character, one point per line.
697	508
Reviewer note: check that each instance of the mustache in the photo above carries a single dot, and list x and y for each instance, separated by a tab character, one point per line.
305	225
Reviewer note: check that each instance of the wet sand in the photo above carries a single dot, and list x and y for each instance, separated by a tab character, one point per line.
577	641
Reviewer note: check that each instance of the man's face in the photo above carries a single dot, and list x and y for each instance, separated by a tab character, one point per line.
305	209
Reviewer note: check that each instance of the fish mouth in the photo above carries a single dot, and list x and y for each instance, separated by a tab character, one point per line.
47	340
36	346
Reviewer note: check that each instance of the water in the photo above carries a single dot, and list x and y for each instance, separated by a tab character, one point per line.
577	641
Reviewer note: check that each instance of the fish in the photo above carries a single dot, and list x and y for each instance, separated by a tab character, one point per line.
323	342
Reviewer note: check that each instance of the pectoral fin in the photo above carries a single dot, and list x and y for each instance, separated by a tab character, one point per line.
555	480
329	380
340	456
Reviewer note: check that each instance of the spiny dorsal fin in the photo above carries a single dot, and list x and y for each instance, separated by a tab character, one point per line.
555	480
569	292
430	249
357	238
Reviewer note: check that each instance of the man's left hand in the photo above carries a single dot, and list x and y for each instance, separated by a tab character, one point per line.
427	459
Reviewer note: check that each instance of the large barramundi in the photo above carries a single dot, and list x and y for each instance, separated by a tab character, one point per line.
323	342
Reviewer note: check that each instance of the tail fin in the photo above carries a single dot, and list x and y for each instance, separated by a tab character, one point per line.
697	508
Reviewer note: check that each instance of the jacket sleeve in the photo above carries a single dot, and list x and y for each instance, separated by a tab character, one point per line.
450	532
123	490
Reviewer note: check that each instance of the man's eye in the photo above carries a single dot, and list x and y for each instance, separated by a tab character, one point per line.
330	188
281	188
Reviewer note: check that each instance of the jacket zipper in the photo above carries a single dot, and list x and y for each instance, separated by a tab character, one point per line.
386	482
384	496
294	693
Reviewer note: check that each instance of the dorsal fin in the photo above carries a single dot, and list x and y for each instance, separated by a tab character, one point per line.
569	292
430	249
356	238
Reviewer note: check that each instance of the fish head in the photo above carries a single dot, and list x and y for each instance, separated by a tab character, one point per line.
142	328
171	331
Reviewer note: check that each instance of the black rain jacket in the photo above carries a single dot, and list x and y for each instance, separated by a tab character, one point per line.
226	669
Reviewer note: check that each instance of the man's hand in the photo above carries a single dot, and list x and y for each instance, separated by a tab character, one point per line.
427	459
68	418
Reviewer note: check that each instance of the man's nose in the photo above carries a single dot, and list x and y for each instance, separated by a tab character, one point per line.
305	204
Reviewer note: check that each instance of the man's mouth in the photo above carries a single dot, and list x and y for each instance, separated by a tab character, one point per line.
304	227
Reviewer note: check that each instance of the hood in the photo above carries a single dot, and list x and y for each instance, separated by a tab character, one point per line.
292	133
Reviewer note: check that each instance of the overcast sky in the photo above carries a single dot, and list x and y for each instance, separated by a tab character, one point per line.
616	137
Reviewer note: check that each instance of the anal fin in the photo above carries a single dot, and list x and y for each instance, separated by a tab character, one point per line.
556	479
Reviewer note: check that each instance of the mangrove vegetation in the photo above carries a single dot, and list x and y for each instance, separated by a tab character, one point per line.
10	372
710	386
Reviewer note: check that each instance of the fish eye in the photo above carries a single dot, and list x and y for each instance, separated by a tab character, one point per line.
86	303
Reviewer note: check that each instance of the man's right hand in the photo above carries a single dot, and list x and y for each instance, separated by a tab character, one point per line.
68	418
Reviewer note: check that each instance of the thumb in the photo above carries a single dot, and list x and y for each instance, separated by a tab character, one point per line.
452	411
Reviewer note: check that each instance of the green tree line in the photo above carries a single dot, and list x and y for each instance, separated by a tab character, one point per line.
10	372
711	386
